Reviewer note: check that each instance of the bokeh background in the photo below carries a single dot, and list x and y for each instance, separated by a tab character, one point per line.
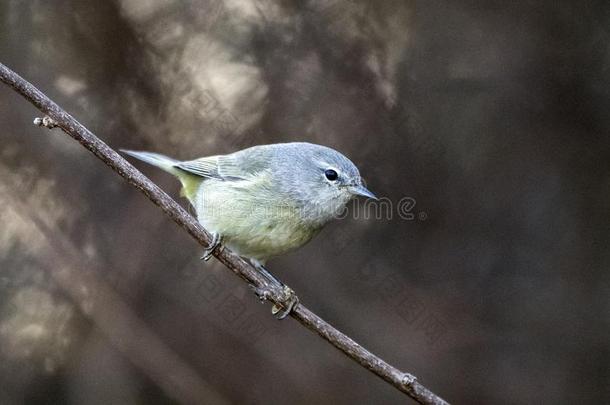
490	119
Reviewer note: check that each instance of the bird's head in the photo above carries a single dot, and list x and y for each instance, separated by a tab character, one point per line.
322	180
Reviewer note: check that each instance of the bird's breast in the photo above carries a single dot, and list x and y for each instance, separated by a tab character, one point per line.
252	220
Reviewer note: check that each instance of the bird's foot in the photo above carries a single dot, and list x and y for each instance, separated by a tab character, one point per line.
289	301
209	251
286	304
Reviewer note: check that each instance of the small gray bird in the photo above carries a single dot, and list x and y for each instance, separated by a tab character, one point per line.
266	200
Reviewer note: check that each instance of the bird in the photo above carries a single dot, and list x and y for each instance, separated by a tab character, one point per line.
266	200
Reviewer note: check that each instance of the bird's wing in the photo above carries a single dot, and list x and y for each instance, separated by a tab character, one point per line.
204	167
236	166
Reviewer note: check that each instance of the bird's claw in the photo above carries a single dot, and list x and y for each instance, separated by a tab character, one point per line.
289	302
209	251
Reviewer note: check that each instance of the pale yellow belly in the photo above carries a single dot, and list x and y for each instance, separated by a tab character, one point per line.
251	221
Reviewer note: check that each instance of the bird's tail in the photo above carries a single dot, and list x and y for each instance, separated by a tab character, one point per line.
161	161
190	182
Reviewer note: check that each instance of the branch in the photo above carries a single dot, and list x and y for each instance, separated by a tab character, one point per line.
404	382
112	316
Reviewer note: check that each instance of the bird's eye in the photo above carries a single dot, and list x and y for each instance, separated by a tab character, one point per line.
331	174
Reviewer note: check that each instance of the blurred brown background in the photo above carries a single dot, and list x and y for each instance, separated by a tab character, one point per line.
492	117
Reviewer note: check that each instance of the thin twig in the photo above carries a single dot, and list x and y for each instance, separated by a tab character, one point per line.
405	382
112	316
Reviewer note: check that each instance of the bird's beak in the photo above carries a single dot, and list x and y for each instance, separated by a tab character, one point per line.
361	190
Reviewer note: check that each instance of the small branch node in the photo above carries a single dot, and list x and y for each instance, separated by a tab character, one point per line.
408	379
263	293
46	122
